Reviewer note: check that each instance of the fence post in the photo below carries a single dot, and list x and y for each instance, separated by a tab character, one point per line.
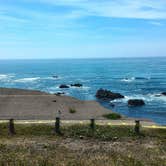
92	124
11	127
137	127
57	125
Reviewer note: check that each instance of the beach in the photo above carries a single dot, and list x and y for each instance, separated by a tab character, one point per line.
30	106
36	105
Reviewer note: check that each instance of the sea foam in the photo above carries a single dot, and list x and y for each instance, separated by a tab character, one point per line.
25	80
131	79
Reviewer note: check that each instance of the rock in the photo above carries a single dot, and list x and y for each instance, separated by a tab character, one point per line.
106	94
112	104
55	76
77	85
115	138
163	93
63	86
136	102
59	93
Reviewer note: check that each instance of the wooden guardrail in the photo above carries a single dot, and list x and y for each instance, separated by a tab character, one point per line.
57	127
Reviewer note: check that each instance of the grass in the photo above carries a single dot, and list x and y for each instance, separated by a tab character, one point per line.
79	146
113	116
72	110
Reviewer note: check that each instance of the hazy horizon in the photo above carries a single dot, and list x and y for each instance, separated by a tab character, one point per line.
79	58
48	29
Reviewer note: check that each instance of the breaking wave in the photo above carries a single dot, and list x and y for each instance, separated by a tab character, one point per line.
25	80
135	79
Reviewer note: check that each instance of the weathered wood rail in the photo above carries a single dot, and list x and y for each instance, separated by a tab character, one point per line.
57	126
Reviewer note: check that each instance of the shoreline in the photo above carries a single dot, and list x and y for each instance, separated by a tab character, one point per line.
31	105
22	104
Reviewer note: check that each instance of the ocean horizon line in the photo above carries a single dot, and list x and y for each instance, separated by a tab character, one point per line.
67	58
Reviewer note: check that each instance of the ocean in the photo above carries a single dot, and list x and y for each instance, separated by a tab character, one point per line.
141	78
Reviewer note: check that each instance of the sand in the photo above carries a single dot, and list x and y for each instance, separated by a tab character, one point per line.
36	105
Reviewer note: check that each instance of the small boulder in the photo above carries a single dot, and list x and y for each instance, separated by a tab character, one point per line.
55	76
63	86
112	104
136	102
59	93
77	85
163	93
106	94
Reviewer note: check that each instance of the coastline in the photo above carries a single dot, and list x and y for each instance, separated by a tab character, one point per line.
36	105
22	104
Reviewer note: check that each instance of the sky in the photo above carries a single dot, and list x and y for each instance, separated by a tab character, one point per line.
82	28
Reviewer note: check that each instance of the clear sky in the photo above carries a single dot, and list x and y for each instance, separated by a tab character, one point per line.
82	28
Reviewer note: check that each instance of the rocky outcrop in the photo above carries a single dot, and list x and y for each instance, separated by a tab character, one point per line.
106	94
63	86
76	85
136	102
163	93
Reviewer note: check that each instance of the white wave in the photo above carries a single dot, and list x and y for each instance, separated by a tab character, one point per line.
2	76
146	98
24	80
135	79
157	97
128	79
52	78
82	80
81	88
6	77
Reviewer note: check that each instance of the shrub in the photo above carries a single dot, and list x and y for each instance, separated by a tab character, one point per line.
72	110
113	116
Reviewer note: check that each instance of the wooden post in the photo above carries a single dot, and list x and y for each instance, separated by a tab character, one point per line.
137	127
57	125
11	127
92	124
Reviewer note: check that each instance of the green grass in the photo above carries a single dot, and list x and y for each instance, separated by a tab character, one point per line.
113	116
78	146
72	110
102	132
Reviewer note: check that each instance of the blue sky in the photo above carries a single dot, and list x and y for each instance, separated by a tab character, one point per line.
82	28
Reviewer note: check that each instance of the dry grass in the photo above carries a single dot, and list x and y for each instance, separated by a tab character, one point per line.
37	145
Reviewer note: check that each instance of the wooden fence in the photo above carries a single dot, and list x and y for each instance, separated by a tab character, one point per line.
57	127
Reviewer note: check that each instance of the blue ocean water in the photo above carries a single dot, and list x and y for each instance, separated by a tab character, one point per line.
133	77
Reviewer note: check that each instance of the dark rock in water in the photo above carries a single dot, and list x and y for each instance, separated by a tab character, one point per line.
136	102
112	104
77	85
106	94
163	93
141	78
63	86
55	76
59	93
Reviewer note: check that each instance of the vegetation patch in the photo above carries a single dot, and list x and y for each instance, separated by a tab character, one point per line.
113	116
72	110
37	144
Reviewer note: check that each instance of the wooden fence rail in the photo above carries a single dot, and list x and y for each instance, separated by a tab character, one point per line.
57	128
